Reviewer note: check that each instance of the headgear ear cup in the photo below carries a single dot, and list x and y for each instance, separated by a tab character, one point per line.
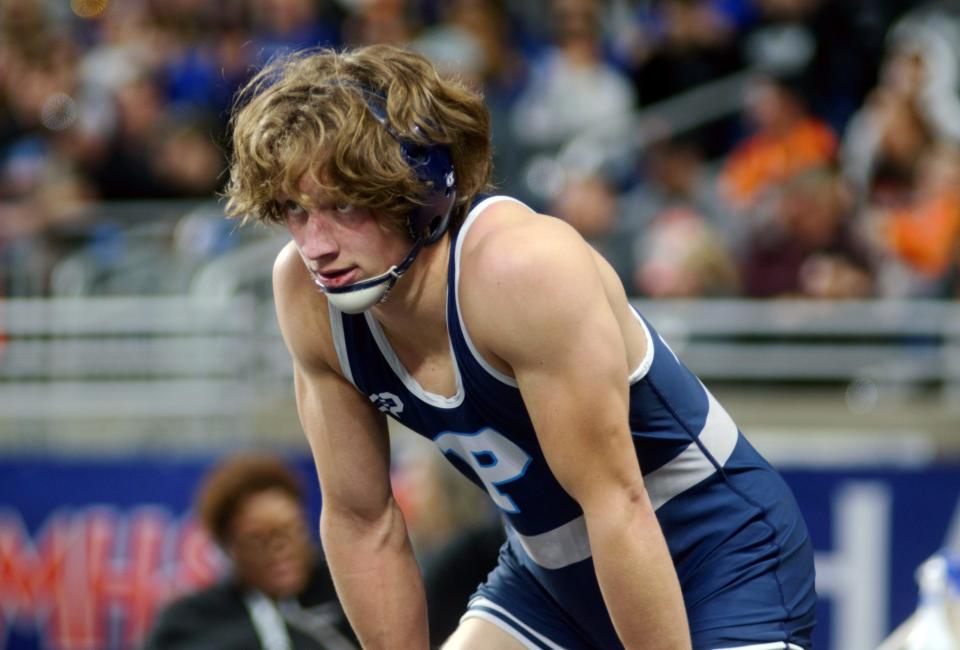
433	166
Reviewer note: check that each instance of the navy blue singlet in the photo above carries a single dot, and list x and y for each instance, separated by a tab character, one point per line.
737	539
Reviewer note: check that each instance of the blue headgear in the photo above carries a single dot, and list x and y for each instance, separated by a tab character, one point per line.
428	220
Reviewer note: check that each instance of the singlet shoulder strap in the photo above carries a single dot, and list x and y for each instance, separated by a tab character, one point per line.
454	317
480	203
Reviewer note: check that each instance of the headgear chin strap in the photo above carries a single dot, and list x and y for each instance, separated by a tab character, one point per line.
429	218
361	296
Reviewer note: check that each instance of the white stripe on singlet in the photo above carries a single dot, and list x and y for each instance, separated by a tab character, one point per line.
522	632
568	543
775	645
508	623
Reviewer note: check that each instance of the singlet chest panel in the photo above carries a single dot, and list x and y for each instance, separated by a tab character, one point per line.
484	428
438	378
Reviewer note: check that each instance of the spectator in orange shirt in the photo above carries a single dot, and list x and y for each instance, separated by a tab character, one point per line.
787	140
925	234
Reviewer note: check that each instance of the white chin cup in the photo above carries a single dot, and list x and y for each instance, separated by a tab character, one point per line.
361	296
359	300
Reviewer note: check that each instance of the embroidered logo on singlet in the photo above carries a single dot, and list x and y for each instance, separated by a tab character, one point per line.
387	403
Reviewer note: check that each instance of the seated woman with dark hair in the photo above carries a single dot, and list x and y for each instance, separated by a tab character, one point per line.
279	595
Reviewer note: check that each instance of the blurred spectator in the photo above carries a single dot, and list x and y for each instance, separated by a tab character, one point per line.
682	256
656	238
279	593
914	105
126	168
212	60
491	27
380	21
41	186
676	184
589	204
128	100
933	31
282	26
185	158
883	144
674	45
480	41
808	247
572	88
834	45
919	241
786	140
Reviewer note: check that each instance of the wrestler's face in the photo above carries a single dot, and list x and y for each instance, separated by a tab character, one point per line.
269	544
340	243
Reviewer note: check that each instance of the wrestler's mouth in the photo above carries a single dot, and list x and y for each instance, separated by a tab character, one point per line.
336	277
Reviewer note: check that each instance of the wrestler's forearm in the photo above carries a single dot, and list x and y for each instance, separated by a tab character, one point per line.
377	578
636	575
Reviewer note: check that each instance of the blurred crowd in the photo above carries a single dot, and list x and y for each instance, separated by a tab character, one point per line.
754	148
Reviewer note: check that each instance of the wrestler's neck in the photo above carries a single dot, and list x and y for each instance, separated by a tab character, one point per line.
418	302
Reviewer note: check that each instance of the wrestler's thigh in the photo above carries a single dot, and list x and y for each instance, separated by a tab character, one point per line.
477	634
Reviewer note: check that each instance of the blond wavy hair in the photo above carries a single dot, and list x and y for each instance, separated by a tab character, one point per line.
308	114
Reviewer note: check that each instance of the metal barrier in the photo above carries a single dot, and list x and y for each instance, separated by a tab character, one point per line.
191	353
137	356
884	341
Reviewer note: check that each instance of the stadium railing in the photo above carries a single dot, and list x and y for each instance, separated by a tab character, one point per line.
221	355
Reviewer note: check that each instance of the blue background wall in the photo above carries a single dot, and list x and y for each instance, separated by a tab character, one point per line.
871	528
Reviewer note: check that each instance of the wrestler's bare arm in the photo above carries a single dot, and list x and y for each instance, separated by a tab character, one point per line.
363	532
554	327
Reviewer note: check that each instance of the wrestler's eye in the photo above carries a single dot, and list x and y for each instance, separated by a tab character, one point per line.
344	207
292	210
